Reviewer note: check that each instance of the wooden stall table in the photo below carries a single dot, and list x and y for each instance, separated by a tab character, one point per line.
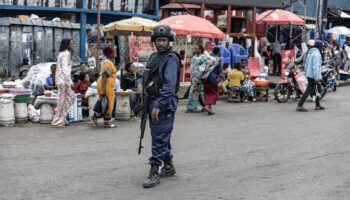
123	110
261	93
261	90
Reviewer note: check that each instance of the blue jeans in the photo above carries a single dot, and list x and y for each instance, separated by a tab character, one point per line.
161	135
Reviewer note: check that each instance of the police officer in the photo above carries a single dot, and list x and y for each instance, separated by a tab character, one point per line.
161	86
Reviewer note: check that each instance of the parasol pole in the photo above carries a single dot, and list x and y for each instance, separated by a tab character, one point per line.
290	26
184	67
98	32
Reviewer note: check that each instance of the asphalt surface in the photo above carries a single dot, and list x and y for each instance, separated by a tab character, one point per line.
247	151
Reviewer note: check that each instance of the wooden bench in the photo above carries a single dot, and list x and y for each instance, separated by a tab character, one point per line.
261	93
234	96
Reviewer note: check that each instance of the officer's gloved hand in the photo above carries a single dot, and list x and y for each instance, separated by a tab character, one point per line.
317	81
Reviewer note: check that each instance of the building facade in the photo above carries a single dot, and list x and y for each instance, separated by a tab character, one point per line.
81	11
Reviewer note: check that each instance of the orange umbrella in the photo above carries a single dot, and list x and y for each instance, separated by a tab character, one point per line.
194	26
279	17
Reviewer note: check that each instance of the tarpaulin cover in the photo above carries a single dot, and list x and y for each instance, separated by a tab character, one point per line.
279	17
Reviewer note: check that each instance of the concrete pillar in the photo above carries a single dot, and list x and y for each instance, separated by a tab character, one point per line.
254	31
229	18
202	10
83	31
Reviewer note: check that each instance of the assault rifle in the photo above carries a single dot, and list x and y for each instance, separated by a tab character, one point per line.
144	107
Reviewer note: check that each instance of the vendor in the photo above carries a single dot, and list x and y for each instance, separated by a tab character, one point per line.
131	81
25	61
50	83
131	78
82	86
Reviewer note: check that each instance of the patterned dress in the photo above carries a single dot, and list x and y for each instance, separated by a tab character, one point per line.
247	86
196	96
66	96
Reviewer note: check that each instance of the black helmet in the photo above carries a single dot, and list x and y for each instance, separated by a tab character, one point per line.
319	44
162	31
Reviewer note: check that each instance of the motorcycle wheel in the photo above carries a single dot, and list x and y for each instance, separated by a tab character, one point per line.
282	93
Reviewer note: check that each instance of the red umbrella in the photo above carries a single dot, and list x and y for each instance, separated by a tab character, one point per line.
194	26
279	17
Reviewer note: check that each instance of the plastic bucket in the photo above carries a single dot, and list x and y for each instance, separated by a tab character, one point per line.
7	113
46	114
21	113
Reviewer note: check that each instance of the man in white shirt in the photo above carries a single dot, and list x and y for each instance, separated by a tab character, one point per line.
347	53
277	58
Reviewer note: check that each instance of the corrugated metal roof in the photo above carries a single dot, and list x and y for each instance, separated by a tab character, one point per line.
180	6
243	3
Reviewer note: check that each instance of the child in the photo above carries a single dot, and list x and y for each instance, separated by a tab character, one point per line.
223	79
247	85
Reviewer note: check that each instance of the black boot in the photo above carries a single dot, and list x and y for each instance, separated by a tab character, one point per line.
153	177
167	170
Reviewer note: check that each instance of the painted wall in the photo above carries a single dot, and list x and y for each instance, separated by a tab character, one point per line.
132	6
342	4
310	8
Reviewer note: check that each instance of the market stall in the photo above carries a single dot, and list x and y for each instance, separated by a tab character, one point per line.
134	33
273	20
191	30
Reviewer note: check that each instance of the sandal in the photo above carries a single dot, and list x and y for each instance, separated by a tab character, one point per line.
62	125
94	119
210	112
109	125
189	111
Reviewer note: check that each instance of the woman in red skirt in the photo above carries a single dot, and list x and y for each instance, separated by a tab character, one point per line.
211	87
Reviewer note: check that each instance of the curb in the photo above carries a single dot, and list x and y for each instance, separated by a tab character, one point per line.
343	83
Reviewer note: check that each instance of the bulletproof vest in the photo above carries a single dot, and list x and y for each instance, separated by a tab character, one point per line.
152	80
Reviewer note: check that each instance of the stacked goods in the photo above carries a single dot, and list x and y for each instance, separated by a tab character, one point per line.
21	95
3	91
36	77
9	85
40	100
75	111
7	114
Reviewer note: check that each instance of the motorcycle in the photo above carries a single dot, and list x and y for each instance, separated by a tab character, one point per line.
329	75
288	86
294	84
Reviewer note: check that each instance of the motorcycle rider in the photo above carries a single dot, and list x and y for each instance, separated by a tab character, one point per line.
301	59
313	73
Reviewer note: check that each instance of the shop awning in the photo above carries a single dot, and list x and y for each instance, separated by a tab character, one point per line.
180	6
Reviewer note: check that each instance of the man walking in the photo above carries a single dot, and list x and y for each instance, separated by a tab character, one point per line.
347	53
161	86
313	73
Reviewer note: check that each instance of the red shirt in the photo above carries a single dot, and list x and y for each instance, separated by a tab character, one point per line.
82	87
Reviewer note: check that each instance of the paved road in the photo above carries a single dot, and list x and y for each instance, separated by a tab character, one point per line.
248	151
